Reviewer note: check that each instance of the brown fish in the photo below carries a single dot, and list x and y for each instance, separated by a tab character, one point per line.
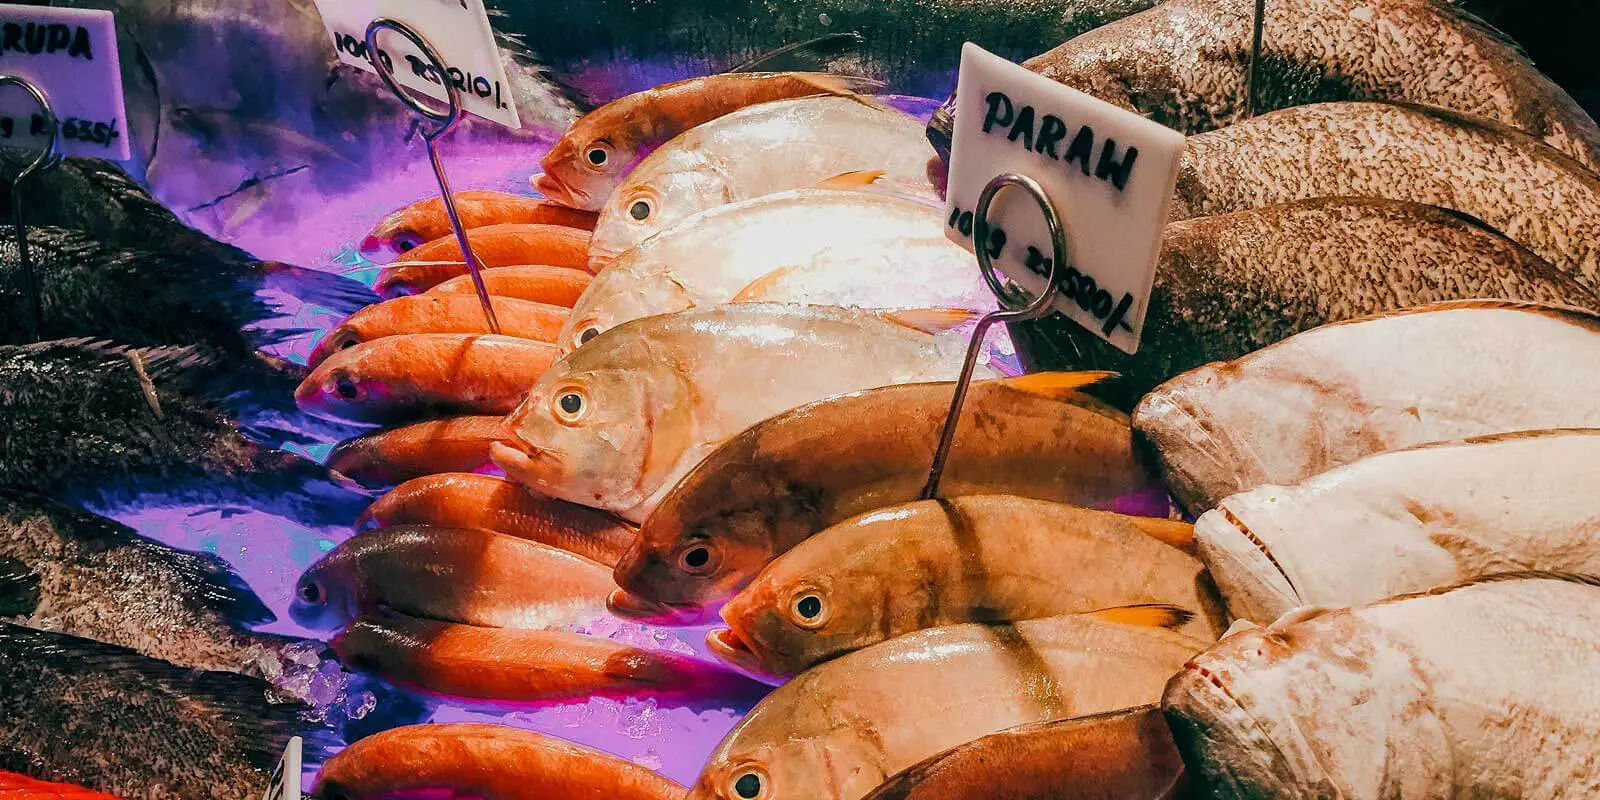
442	313
495	246
395	455
557	286
425	220
482	501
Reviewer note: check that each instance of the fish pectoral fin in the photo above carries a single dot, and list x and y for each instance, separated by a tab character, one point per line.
842	85
1174	532
758	288
930	320
1057	385
807	56
1147	615
854	179
1299	614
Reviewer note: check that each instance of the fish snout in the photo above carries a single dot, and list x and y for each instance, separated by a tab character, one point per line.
1253	583
628	605
555	190
728	645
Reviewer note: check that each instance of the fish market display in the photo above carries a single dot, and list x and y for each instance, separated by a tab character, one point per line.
399	378
1112	756
495	246
396	455
617	422
505	667
785	478
1184	64
465	575
593	156
442	313
985	679
772	147
425	220
557	286
494	762
1482	690
463	500
1408	520
16	786
815	246
943	562
139	728
1332	395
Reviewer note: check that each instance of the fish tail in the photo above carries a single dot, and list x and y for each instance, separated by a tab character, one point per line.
1147	615
336	293
812	55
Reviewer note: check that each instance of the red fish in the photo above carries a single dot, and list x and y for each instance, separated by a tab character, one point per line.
495	246
557	286
452	313
424	221
395	455
14	786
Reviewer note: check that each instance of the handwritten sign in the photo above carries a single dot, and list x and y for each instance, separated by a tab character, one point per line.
285	783
1110	172
458	30
71	55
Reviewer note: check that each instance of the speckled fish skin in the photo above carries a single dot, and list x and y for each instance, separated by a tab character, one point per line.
1184	64
983	558
1111	756
1340	392
441	313
495	762
1486	690
986	679
1520	186
792	475
840	236
773	147
1232	284
651	398
396	455
425	220
1409	520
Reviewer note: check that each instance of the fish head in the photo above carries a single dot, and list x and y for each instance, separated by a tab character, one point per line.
347	386
762	763
325	595
646	205
1235	542
1182	422
596	154
688	571
619	295
396	235
343	337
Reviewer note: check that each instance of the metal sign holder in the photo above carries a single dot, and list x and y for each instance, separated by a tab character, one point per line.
446	119
47	159
1252	103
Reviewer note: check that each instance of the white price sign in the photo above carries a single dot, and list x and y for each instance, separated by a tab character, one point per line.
458	30
285	783
70	54
1110	173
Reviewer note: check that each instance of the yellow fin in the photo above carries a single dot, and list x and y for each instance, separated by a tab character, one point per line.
1175	532
1056	384
1148	615
931	320
759	287
852	180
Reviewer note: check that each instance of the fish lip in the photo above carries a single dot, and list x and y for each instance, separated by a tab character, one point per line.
727	644
516	457
1256	585
556	190
628	605
1186	699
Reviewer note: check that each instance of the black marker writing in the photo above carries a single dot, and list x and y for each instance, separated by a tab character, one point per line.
34	38
1080	287
962	222
1044	136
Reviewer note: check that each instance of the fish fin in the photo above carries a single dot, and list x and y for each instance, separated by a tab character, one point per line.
1239	626
930	320
1057	385
852	180
218	586
811	55
1500	577
1174	532
336	293
19	588
1146	615
1300	614
758	288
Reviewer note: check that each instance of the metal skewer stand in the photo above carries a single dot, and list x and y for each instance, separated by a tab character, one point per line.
1016	312
47	159
1252	103
446	119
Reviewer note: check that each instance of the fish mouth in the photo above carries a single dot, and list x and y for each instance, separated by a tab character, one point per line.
628	605
728	645
556	191
1252	581
379	243
1211	727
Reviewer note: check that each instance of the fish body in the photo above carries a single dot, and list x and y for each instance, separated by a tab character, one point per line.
466	575
425	220
495	762
985	679
1408	520
400	378
772	147
1338	393
594	156
506	245
618	421
986	558
463	500
1184	64
787	477
442	313
1484	690
16	786
396	455
556	286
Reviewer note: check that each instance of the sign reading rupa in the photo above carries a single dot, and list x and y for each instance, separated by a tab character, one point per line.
1109	172
69	54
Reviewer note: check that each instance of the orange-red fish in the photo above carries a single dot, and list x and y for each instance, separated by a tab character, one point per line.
444	313
464	500
424	221
395	455
15	786
399	378
495	246
557	286
492	762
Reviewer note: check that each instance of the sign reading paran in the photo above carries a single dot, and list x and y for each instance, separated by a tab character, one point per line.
1110	173
71	55
457	29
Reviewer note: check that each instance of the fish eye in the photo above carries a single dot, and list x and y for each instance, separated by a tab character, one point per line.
640	210
571	405
587	334
807	609
346	386
407	242
598	155
311	592
698	560
751	784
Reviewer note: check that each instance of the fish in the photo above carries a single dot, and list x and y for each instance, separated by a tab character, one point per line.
1406	521
1317	51
402	378
1335	394
441	313
16	786
516	668
987	678
871	251
1110	756
425	220
799	142
109	719
594	156
1531	192
466	575
556	286
495	762
1231	284
1483	689
483	501
986	558
616	423
787	477
396	455
495	246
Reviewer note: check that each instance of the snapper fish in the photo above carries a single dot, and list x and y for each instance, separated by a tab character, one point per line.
425	220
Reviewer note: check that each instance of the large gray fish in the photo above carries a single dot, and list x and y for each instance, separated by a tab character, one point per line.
1234	283
109	719
1482	690
1344	391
